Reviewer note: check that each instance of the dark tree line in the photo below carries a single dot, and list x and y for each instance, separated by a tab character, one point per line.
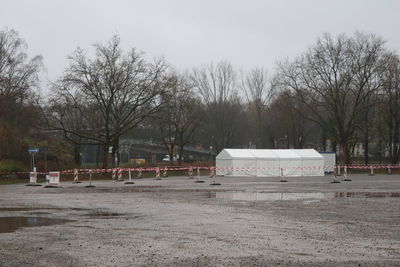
19	80
341	92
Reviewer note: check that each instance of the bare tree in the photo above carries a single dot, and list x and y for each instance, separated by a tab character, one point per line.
19	80
180	115
286	119
389	105
259	93
119	90
66	113
332	80
217	86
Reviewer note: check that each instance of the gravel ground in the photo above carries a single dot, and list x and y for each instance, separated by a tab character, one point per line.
177	222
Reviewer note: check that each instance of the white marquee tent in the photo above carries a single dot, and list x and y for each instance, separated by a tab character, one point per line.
236	162
289	161
269	162
311	162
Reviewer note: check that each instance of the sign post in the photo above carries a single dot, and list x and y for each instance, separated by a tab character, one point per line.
90	179
32	152
129	177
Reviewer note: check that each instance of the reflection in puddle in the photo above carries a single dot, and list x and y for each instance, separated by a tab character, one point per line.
367	194
10	224
25	209
255	196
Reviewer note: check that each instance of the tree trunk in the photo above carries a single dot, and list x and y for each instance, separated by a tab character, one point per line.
77	156
366	140
115	153
97	155
171	149
346	153
105	155
180	150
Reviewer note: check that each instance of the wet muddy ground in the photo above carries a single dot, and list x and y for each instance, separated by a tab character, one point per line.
178	222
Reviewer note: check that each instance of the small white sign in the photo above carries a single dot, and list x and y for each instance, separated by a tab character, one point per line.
32	177
54	178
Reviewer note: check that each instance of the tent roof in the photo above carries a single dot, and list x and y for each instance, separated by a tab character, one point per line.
235	153
263	154
308	153
286	153
269	154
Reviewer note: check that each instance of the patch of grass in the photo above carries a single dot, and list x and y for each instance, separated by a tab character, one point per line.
10	166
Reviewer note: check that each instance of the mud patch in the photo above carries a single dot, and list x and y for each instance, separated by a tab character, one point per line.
104	214
10	224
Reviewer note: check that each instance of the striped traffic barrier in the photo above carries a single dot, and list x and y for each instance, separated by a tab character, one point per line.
120	175
335	180
345	176
371	171
76	177
190	172
158	177
198	176
212	175
114	174
282	180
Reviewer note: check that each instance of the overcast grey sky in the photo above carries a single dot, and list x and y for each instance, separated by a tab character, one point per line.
190	33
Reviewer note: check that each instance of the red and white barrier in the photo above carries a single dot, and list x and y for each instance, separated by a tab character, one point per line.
32	178
212	172
120	175
54	179
190	172
345	177
371	171
281	172
282	176
76	177
158	174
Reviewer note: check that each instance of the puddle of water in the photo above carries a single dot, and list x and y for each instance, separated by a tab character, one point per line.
256	196
367	194
26	209
10	224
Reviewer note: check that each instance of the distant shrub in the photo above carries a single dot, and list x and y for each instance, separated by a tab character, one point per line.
10	166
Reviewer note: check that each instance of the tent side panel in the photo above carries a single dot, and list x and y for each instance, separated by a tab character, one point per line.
224	167
244	167
291	167
267	168
313	167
